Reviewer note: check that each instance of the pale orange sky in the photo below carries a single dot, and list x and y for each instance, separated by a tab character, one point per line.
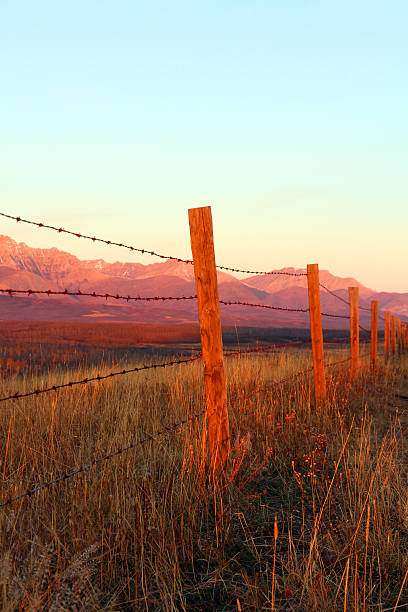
288	117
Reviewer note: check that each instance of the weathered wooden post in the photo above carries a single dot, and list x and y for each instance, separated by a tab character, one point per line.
403	337
374	333
387	334
316	332
205	272
354	330
393	340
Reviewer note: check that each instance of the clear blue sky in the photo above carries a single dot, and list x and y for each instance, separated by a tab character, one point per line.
288	117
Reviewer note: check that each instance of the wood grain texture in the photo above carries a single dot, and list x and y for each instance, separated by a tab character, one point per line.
387	333
354	330
374	332
316	332
205	272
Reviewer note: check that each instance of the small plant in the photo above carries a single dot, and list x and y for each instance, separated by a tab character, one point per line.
311	514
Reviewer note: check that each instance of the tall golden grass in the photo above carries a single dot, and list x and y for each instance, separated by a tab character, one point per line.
312	514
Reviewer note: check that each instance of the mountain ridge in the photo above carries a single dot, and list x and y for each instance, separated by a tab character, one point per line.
25	267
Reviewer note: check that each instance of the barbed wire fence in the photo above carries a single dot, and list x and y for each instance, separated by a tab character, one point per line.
233	399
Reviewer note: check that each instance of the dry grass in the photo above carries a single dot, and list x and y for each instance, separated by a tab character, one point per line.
146	531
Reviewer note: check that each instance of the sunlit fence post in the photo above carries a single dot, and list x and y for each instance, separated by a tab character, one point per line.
316	332
393	339
374	333
387	334
398	323
205	272
354	330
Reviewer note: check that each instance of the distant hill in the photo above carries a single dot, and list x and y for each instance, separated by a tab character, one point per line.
23	267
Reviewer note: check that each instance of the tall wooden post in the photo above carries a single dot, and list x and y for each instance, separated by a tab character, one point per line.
374	333
403	338
354	330
398	322
387	334
393	340
316	332
205	272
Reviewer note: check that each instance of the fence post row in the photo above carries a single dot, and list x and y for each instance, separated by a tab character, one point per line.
354	330
393	341
316	332
374	333
205	272
387	334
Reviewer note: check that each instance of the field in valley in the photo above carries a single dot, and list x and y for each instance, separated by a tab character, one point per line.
311	515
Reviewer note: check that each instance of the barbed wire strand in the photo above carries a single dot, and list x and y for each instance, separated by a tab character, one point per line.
336	316
338	297
167	429
100	377
166	364
93	294
234	398
262	273
88	466
61	230
129	298
380	316
334	294
345	340
284	308
273	347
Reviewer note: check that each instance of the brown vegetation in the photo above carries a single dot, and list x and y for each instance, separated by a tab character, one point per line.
311	516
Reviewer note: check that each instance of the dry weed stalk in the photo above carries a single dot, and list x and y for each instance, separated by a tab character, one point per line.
148	531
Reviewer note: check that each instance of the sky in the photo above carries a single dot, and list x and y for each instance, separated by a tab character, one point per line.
288	118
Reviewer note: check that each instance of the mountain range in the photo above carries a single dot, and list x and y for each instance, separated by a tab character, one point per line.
23	267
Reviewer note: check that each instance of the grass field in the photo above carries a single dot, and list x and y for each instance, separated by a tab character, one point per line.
312	514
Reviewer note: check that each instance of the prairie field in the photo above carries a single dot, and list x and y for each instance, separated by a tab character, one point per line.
312	513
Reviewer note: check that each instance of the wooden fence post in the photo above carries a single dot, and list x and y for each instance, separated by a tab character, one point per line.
354	330
403	338
205	272
374	333
387	334
393	340
398	323
316	332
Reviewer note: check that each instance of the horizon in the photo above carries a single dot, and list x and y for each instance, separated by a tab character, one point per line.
238	276
288	119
